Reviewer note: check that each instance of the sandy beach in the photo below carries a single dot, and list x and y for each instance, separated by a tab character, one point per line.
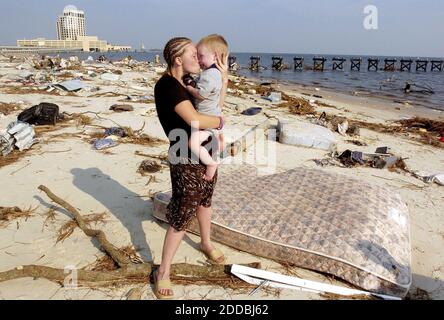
107	181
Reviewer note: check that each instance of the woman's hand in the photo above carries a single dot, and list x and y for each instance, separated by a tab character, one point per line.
222	65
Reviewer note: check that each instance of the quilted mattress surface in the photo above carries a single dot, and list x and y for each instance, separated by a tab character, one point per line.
325	222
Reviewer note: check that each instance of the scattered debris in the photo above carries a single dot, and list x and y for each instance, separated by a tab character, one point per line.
105	143
162	157
115	131
434	129
418	294
251	111
6	143
41	114
274	97
297	106
261	278
8	214
149	166
71	85
336	123
121	107
357	142
349	158
137	137
146	99
18	133
109	77
8	108
68	228
430	178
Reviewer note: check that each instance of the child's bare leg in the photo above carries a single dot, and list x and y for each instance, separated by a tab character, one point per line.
196	140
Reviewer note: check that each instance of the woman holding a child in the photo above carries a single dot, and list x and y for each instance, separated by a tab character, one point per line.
191	118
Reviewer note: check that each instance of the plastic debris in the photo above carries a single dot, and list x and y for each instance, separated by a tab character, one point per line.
71	85
274	97
105	143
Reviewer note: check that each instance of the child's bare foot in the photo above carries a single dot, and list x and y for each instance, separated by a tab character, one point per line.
210	172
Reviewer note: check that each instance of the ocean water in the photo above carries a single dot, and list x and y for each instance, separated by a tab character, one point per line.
388	84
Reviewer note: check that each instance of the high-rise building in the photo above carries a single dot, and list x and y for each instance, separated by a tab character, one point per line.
71	24
71	36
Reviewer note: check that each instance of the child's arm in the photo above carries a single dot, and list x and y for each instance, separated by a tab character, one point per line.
195	93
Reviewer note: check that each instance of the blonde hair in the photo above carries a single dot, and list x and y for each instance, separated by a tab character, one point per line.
175	48
216	43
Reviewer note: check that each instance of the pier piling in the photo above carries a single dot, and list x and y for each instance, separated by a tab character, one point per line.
437	65
355	64
389	64
254	63
338	63
421	65
298	63
373	64
319	63
406	65
277	63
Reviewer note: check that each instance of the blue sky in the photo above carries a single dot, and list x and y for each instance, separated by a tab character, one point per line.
406	27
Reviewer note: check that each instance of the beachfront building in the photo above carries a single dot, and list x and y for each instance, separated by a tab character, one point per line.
71	24
83	43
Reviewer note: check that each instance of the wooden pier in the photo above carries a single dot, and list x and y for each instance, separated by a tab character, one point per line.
339	63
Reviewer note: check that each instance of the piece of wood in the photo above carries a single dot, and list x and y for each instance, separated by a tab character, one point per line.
110	249
128	271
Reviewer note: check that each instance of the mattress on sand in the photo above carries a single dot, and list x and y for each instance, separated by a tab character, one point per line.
325	222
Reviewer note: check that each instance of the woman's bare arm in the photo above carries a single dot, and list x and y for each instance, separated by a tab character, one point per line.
187	112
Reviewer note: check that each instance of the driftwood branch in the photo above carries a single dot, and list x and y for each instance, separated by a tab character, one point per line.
134	273
109	248
127	271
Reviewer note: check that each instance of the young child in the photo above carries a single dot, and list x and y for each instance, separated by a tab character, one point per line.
207	95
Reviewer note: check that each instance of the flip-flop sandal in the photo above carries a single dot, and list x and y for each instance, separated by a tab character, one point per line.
214	256
162	285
